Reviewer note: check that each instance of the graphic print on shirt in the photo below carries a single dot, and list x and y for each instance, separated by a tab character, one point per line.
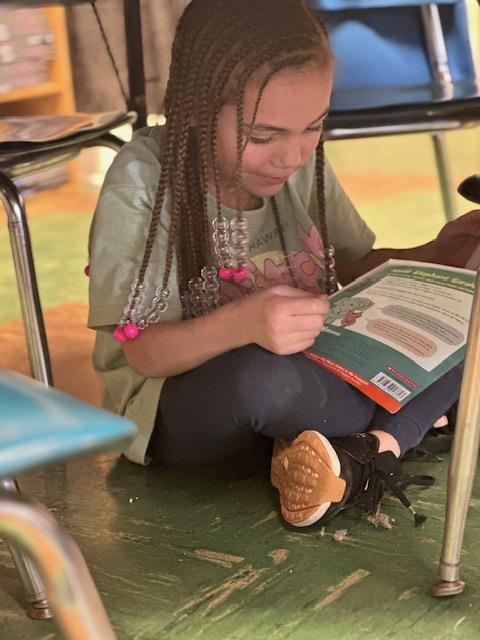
271	268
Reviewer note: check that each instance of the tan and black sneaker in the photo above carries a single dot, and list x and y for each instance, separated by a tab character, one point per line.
317	478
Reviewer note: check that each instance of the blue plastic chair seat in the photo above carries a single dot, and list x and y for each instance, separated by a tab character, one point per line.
40	425
382	57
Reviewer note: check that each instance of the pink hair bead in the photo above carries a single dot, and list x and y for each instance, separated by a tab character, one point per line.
86	271
240	274
225	273
131	331
119	334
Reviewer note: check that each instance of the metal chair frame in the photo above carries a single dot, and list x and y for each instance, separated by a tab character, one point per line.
42	551
13	164
48	553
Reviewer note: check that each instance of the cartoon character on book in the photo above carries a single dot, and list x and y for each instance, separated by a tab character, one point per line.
348	310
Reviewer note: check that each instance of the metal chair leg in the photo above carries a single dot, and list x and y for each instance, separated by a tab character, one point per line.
444	175
463	460
34	592
26	281
75	600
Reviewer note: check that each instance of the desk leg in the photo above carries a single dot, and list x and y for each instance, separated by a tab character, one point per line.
26	281
461	472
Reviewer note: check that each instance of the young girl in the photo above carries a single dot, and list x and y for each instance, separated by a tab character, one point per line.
211	258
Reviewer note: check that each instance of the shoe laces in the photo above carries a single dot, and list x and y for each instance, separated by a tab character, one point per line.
378	480
379	471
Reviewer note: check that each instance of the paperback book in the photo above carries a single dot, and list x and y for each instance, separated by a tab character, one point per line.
398	328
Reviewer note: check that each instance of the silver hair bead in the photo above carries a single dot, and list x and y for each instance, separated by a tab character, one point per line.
220	223
133	302
211	286
239	228
196	295
141	313
221	240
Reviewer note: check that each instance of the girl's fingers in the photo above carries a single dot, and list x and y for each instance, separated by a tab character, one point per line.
298	347
302	337
292	292
306	324
308	306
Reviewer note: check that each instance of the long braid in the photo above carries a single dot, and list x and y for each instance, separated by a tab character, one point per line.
320	179
322	218
283	242
195	251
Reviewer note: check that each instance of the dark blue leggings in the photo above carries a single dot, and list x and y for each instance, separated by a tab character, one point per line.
232	402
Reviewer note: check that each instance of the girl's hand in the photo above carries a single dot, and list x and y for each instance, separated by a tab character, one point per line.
282	319
457	240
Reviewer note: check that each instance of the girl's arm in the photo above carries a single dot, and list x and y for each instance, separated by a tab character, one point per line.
170	348
454	246
281	319
350	271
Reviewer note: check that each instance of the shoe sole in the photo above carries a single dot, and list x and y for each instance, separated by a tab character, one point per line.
306	473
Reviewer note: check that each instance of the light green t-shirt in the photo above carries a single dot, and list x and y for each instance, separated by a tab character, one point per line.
117	240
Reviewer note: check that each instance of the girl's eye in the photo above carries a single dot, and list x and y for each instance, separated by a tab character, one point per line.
255	140
315	129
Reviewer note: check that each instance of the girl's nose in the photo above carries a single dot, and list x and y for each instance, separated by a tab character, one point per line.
290	156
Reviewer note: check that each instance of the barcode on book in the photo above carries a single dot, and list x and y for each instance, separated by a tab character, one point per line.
390	386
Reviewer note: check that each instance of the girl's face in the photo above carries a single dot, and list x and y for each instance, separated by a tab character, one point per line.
286	131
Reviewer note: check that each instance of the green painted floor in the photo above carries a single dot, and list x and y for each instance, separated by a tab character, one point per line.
202	553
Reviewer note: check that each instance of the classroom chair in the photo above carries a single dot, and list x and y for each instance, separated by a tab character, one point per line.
29	144
40	426
402	66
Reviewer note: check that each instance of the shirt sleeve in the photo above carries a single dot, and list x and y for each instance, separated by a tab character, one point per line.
348	232
119	231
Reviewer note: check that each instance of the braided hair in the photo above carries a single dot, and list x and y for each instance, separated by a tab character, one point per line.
218	45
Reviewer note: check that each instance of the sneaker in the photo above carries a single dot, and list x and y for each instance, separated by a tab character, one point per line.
306	472
317	478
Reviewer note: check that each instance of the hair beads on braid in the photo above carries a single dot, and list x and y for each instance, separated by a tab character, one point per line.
218	46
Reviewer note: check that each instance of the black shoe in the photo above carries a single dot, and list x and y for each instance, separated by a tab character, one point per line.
368	474
317	478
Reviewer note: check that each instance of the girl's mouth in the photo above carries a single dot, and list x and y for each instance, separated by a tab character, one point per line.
270	180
